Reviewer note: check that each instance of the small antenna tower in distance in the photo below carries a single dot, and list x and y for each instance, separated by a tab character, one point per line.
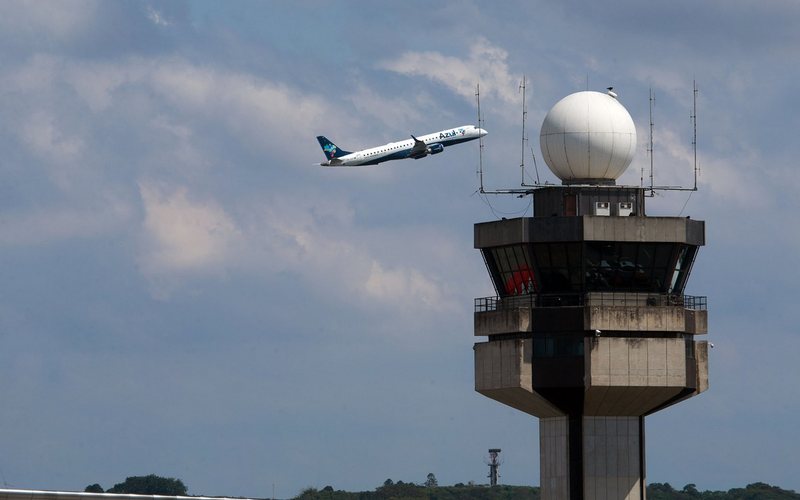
494	466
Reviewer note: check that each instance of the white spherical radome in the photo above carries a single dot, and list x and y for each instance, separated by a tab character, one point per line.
588	137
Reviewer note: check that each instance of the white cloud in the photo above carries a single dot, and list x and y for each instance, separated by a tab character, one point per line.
396	112
95	83
49	140
35	76
667	79
486	64
59	149
319	241
259	111
182	234
391	285
731	180
156	17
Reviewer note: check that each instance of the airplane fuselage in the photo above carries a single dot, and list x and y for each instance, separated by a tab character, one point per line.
416	147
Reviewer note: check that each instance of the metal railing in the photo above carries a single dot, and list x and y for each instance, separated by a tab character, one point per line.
695	302
625	299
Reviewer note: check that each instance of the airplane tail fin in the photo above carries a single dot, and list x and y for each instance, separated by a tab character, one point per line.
330	149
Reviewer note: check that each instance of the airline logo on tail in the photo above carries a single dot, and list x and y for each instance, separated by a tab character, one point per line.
330	150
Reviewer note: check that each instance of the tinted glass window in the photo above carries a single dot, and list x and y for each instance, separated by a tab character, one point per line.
634	267
557	346
514	272
558	266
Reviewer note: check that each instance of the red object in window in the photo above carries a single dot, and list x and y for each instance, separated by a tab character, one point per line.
520	282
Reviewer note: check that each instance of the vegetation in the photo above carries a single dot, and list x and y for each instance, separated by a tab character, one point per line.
410	491
145	485
656	491
431	481
755	491
430	490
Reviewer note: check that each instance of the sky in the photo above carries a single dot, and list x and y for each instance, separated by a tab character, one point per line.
184	292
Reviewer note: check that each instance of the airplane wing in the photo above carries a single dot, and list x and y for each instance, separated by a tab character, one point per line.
419	150
333	162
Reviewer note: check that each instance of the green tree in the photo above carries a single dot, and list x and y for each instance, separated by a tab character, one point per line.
308	493
691	490
150	485
430	481
94	488
400	490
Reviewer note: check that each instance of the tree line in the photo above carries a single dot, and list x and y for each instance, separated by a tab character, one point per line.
144	485
430	490
655	491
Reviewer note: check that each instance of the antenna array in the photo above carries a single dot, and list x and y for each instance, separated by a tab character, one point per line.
520	192
693	119
529	188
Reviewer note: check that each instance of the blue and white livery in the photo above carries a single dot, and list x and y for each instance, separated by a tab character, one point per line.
416	147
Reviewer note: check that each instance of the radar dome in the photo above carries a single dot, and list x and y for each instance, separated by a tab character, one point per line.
588	138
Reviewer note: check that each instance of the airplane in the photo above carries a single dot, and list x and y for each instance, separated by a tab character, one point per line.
416	147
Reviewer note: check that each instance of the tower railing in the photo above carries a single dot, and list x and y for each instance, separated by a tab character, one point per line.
623	299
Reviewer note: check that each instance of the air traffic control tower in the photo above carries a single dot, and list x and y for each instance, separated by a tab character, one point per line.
590	330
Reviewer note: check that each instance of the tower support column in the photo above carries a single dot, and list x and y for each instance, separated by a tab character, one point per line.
592	458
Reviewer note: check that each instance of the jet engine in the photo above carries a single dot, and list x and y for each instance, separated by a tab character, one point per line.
424	151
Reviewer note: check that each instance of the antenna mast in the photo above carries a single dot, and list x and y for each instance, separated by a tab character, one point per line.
652	146
524	116
494	466
480	137
694	129
523	87
693	118
519	192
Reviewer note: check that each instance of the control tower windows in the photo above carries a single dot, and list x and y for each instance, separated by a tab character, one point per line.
590	266
559	266
635	267
513	273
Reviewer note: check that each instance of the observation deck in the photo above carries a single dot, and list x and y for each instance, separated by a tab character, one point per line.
591	311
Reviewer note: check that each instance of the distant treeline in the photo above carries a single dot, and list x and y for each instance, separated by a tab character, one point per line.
430	489
656	491
144	485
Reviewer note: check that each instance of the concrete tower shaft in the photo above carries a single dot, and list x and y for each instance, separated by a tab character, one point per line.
590	330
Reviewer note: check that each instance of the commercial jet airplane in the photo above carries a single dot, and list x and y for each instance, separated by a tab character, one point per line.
416	147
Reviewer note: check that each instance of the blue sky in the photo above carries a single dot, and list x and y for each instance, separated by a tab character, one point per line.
184	293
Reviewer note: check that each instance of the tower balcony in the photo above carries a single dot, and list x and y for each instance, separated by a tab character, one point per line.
603	311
